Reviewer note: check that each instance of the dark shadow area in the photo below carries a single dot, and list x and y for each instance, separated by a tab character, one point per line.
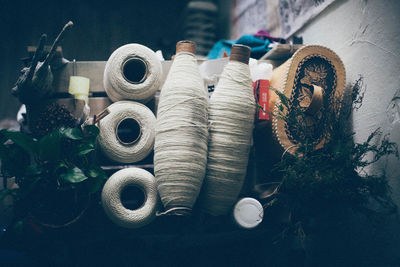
99	28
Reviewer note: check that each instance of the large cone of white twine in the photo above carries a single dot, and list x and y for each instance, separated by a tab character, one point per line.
133	72
111	197
231	117
180	150
140	145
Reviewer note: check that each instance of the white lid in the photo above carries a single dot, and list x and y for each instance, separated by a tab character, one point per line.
248	213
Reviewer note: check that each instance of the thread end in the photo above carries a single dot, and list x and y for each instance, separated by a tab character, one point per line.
177	211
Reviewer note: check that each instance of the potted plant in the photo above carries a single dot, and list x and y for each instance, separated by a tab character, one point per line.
55	174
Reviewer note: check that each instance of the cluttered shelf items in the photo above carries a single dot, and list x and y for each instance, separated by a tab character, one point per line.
185	136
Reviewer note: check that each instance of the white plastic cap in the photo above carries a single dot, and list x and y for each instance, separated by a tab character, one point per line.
248	213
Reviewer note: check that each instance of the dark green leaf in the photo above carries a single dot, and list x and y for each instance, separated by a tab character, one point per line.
260	107
98	176
74	175
94	184
33	170
71	133
84	148
29	186
4	193
14	161
91	130
23	140
85	151
2	137
282	97
61	166
50	146
3	151
95	171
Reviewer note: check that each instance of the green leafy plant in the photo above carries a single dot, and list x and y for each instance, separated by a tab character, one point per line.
332	179
57	169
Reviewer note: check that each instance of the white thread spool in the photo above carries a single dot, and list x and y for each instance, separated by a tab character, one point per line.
180	149
133	72
127	132
146	189
231	117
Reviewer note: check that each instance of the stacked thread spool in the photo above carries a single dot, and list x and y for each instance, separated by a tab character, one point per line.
131	77
190	135
132	74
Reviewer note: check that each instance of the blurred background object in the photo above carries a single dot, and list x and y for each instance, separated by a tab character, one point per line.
100	28
200	24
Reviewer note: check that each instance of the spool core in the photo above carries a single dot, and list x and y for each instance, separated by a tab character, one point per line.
133	197
128	131
240	53
186	46
135	70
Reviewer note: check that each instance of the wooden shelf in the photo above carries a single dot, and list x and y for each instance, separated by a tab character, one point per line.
281	52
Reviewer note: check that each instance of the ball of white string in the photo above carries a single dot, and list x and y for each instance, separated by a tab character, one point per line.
180	150
116	84
231	117
111	197
108	138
